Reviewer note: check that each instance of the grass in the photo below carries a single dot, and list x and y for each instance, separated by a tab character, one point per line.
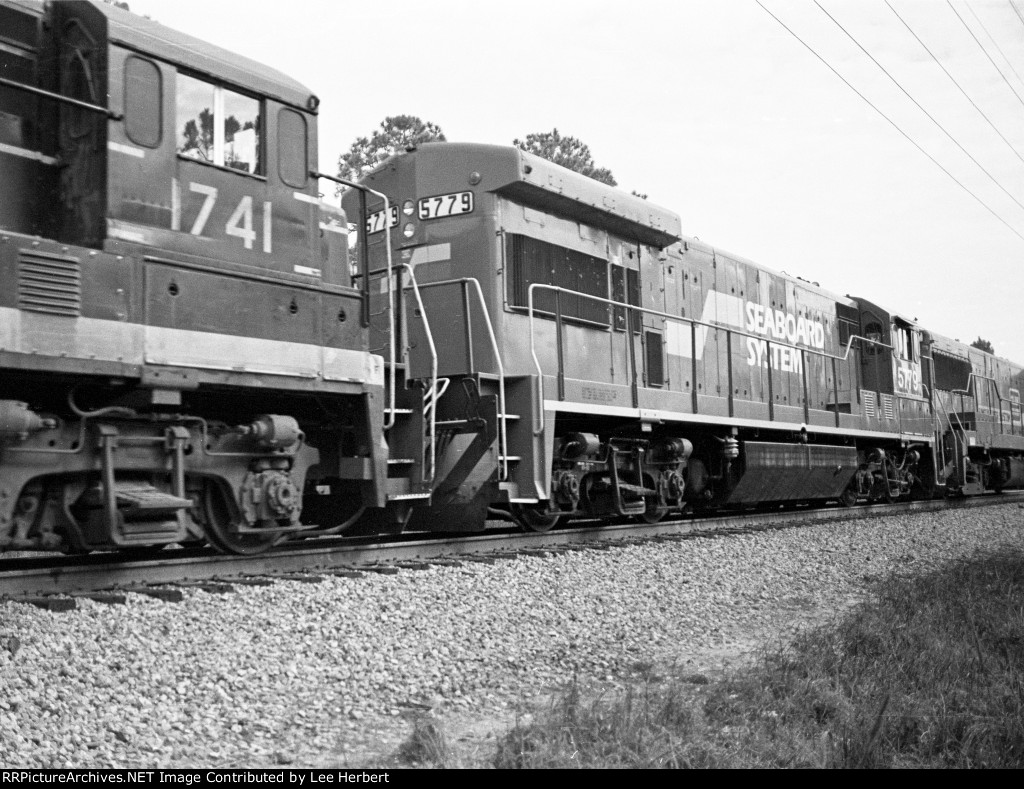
427	745
929	673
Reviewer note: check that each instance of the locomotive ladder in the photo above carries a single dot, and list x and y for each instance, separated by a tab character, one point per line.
467	284
958	436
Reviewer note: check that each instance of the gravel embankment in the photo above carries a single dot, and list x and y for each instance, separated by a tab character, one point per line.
298	673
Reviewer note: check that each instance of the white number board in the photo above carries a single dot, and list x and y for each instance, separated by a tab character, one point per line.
375	221
446	205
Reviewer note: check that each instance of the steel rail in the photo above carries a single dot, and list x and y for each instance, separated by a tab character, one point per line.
102	572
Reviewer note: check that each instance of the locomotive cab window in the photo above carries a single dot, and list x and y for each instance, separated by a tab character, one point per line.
219	126
904	343
142	102
291	148
873	332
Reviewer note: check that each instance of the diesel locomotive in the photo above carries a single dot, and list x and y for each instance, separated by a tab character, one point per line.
191	352
183	350
585	359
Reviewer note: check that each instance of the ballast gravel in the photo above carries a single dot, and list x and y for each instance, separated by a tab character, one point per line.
294	673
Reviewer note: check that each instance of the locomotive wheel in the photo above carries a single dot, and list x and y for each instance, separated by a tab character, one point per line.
221	527
848	497
225	538
532	518
653	512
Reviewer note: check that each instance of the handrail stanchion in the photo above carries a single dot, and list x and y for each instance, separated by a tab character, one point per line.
559	350
432	423
835	388
728	357
469	326
389	421
807	404
693	364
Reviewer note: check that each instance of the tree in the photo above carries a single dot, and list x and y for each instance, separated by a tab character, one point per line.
983	345
396	133
566	151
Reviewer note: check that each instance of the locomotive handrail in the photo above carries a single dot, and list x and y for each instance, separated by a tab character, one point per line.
668	316
433	368
993	384
85	105
389	421
503	435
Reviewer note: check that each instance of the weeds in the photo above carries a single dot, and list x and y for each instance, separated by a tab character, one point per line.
930	673
426	745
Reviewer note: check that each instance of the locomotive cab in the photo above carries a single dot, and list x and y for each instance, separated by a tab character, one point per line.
126	131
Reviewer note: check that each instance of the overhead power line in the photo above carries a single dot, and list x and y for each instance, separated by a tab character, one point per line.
917	104
982	48
890	120
953	80
1017	12
995	43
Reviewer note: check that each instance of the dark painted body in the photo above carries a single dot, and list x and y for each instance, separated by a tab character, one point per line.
181	345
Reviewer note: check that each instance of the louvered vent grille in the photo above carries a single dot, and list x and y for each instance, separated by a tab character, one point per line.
655	359
888	407
49	283
868	399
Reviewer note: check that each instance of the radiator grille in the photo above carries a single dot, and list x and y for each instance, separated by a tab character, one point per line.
868	400
49	283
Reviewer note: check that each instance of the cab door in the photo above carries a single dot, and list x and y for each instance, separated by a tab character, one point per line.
875	358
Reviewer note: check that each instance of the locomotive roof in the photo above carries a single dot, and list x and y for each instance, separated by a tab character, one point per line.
551	184
149	37
806	284
544	185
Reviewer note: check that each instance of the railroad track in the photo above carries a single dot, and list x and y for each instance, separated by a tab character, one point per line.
56	582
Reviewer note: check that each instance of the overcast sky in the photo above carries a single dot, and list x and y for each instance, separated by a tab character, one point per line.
717	112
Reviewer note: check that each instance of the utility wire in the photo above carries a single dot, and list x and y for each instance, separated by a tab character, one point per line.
918	105
953	80
1016	11
982	48
996	43
890	120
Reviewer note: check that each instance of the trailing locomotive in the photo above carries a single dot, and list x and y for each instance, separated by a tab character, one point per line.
183	355
190	352
640	372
